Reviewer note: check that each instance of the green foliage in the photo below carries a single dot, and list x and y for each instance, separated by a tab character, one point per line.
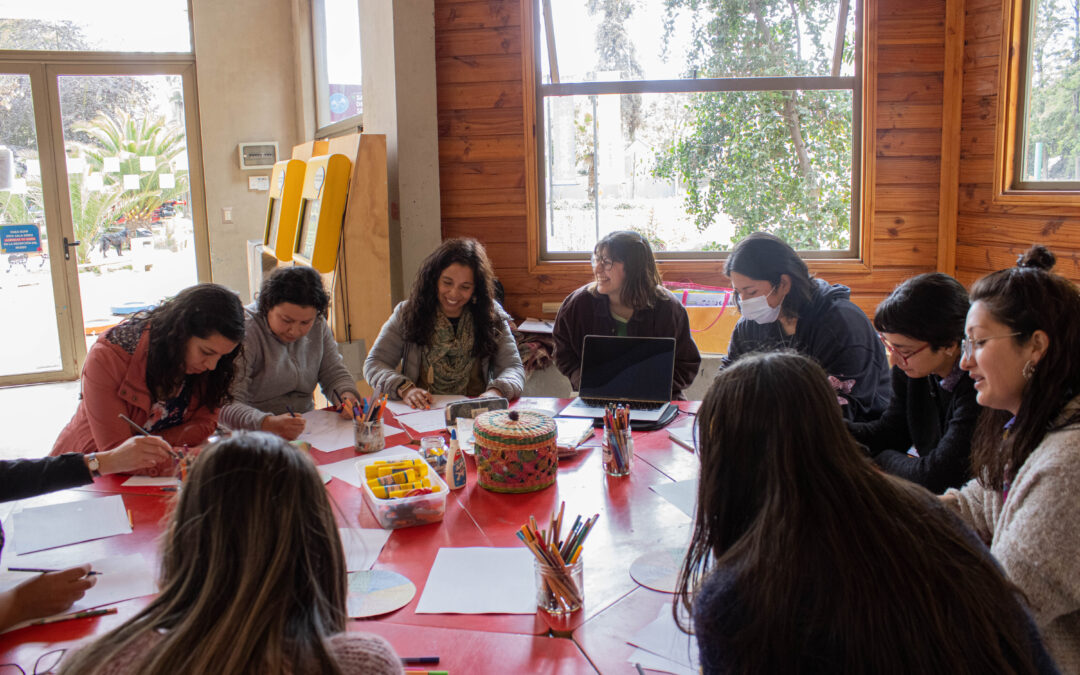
1053	117
768	160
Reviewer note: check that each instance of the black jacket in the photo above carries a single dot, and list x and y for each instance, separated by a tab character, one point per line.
836	334
21	478
937	422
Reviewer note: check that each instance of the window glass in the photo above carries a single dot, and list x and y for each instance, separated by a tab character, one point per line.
337	61
101	25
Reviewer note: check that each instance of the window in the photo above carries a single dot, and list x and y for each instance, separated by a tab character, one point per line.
697	123
102	25
339	101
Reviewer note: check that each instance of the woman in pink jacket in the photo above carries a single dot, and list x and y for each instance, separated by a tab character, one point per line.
169	370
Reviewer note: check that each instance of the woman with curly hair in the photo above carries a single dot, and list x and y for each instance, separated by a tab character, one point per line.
169	370
288	350
450	336
1023	331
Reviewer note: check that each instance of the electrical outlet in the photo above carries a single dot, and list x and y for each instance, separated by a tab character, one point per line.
550	307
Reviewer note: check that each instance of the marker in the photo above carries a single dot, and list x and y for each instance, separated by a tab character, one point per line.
77	615
427	672
419	660
42	570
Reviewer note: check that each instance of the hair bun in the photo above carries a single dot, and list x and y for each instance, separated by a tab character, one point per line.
1038	256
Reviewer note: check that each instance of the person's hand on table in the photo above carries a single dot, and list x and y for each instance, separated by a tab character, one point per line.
417	398
349	403
138	453
45	594
286	426
492	391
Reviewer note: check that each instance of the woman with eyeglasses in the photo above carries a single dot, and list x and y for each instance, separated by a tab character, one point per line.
783	307
625	297
252	578
804	558
933	408
1021	350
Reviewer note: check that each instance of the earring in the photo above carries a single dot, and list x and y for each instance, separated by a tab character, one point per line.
1028	371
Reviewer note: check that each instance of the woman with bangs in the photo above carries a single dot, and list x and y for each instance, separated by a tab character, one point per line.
626	297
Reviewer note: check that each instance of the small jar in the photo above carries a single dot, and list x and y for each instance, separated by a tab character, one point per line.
368	435
433	450
618	457
559	590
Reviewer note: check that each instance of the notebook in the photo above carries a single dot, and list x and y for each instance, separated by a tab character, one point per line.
634	371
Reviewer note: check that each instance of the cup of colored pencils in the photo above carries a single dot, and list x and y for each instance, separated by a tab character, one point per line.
558	565
367	424
618	443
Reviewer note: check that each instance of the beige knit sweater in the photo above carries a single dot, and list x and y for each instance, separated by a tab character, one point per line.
1035	535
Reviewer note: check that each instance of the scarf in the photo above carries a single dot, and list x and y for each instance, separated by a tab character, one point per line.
448	360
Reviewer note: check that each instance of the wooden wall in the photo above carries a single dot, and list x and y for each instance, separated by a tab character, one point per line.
990	236
482	144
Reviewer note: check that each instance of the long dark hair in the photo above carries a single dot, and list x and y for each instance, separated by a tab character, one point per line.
197	311
299	285
419	314
928	307
1027	298
832	557
642	286
252	570
764	257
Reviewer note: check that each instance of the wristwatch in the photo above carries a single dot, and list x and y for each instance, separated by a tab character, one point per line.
93	464
404	388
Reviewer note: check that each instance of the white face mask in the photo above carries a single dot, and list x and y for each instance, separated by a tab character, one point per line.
757	309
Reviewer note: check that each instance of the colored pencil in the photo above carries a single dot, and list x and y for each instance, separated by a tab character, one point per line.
43	570
77	615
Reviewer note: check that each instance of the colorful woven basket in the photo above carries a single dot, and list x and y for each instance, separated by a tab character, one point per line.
515	451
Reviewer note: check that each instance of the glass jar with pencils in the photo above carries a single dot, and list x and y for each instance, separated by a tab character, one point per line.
368	434
559	588
618	443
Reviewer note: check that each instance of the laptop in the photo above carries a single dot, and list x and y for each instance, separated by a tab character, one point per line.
633	371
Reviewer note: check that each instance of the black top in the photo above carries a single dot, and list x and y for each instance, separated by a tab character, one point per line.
22	478
936	421
836	334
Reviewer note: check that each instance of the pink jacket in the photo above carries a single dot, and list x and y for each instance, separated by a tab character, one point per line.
114	382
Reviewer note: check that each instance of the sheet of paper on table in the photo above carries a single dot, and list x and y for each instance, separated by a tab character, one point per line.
664	639
362	546
465	435
684	436
530	325
327	431
151	481
424	421
440	402
480	580
41	527
682	494
122	578
346	469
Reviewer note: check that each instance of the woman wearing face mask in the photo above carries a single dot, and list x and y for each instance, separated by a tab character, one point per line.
288	350
933	406
1023	330
450	336
784	308
625	298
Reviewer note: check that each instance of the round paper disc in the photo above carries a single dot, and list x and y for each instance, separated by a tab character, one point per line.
658	570
375	592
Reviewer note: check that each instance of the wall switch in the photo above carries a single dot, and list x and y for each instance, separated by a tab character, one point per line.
226	214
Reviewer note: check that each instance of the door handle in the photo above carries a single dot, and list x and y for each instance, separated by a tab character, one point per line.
68	245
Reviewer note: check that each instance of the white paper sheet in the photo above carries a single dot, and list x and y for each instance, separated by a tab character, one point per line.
424	421
480	580
121	578
41	527
536	326
346	469
328	432
682	494
465	435
684	436
151	481
440	402
663	638
362	546
649	661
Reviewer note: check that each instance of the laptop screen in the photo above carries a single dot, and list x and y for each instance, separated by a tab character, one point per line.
627	368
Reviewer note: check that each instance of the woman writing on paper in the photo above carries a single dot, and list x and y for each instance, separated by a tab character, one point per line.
450	336
804	557
288	350
783	307
252	578
1023	331
933	406
625	298
169	370
48	593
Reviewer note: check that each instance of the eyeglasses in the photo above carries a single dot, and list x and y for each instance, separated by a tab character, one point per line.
969	345
897	353
45	664
603	262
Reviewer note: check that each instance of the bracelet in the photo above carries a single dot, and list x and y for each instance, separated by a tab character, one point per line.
403	389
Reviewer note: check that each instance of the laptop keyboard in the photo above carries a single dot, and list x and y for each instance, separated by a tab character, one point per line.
633	405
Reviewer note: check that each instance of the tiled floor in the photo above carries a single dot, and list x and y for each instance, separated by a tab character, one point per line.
33	416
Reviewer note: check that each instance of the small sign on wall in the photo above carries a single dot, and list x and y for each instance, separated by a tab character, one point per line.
260	183
261	155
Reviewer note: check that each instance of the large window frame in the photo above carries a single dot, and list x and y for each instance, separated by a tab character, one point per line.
855	259
1013	95
322	80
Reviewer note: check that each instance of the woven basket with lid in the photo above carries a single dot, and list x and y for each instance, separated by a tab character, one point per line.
515	451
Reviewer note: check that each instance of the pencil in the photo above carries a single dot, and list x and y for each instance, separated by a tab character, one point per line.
43	570
131	521
419	660
77	615
639	669
136	427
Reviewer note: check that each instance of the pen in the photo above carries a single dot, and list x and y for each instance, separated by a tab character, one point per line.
419	660
639	669
77	615
43	570
291	412
142	431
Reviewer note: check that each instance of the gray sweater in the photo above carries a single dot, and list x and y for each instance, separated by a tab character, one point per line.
390	350
1035	535
272	376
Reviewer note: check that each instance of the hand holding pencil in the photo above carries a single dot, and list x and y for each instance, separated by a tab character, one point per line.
44	595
